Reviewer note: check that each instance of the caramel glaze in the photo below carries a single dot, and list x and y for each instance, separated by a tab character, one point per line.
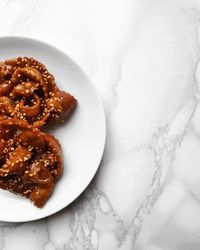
30	161
29	92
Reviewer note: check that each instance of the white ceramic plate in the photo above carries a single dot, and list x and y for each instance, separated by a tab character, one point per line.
82	137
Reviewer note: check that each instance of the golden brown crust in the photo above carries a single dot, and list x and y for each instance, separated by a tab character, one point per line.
29	92
30	161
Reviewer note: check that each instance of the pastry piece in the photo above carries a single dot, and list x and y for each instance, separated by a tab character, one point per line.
29	92
30	161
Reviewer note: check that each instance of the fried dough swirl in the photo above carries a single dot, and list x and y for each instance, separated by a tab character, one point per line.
30	161
29	92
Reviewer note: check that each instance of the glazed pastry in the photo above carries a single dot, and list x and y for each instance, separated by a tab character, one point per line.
29	92
30	161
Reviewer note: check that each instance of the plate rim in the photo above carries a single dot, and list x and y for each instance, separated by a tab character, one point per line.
104	127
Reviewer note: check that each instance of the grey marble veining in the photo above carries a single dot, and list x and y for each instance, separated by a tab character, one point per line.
143	57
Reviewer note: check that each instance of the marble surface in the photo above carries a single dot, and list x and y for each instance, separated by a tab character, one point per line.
143	57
